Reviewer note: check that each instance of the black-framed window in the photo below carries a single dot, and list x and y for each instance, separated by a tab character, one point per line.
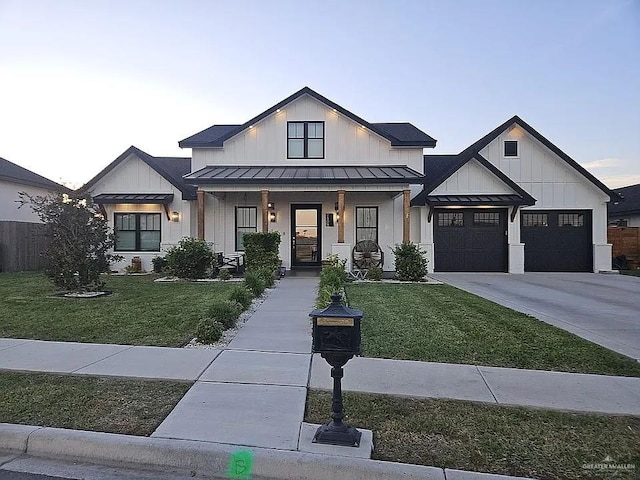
137	232
450	219
571	220
305	139
510	148
535	220
367	223
246	222
486	218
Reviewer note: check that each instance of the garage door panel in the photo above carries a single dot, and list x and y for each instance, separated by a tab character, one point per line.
470	240
557	241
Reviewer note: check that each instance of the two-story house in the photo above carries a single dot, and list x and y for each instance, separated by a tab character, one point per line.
325	179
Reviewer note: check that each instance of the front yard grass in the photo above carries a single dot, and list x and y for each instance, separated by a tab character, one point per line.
140	312
488	438
113	405
440	323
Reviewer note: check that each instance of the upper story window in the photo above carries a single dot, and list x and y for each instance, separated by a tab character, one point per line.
137	232
510	148
305	139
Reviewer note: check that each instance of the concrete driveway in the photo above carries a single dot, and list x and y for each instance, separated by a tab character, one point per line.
604	309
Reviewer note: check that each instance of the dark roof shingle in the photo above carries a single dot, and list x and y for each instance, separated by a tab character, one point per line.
11	172
630	203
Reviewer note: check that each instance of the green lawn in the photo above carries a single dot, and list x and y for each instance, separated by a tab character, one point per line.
114	405
488	438
440	323
140	312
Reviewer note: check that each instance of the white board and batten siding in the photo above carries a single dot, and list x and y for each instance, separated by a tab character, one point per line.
346	142
554	184
134	176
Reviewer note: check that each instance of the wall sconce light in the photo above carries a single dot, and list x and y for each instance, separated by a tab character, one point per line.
272	216
271	206
175	216
272	211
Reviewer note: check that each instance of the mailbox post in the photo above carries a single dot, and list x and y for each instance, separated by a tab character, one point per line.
336	337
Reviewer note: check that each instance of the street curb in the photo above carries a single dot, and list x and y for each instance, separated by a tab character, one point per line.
198	458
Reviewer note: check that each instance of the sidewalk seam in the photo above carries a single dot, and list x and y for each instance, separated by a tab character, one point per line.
97	361
486	383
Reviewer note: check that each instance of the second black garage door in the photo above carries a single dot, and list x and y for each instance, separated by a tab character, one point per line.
557	240
470	240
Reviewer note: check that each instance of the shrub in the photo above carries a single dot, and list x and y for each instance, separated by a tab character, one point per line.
261	250
332	279
209	331
159	264
375	274
79	240
224	274
225	311
267	275
242	296
255	283
190	258
411	262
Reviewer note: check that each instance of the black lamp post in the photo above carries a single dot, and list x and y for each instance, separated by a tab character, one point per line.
336	336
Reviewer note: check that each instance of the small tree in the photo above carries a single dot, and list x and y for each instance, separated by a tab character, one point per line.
411	262
191	258
79	240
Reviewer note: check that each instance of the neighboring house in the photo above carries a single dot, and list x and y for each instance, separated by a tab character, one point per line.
627	212
325	179
146	202
15	179
21	233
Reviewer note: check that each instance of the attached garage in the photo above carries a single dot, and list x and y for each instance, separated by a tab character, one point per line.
557	240
470	240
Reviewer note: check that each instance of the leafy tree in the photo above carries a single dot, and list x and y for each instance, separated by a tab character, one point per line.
79	240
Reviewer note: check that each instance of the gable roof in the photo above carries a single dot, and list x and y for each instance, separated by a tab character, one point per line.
13	173
437	168
492	135
172	169
630	201
399	134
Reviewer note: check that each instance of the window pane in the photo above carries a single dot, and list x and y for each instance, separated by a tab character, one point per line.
450	219
246	217
366	216
150	241
315	149
570	220
316	130
125	221
125	240
511	148
296	130
535	220
486	218
296	148
367	234
240	232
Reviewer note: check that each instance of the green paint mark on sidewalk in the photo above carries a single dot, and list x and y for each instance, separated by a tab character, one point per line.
240	465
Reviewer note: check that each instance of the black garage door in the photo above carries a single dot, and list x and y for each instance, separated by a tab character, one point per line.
557	240
470	240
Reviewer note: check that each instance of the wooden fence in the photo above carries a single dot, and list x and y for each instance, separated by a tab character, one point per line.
625	241
21	245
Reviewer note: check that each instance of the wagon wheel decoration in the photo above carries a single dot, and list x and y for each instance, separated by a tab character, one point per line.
367	254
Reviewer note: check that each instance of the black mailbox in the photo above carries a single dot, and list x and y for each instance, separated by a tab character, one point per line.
336	329
336	337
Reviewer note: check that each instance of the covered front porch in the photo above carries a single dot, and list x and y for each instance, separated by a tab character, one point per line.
318	211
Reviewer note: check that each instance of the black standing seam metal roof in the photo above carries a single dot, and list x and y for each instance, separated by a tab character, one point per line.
629	203
488	138
399	134
109	198
222	175
172	169
437	168
10	172
469	200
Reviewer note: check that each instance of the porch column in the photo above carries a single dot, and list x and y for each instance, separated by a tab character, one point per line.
340	216
265	211
200	200
406	207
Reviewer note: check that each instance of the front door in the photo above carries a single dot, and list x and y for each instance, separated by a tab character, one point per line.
306	235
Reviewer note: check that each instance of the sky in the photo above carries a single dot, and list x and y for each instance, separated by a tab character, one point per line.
81	81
